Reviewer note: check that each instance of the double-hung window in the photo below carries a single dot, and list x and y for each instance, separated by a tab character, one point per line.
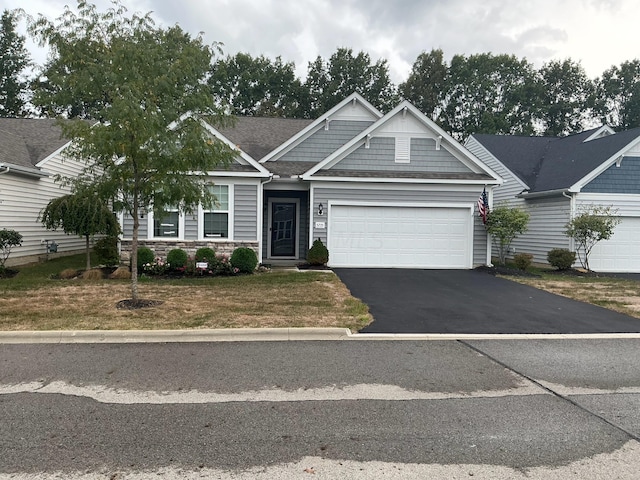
167	225
216	220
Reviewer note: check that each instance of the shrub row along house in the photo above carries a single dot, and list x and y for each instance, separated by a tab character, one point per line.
379	190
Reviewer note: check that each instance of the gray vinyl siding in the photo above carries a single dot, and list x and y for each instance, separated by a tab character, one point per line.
22	199
388	196
323	142
380	156
245	212
547	221
191	226
622	179
127	228
511	186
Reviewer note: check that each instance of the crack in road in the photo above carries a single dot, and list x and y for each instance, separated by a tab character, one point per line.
562	392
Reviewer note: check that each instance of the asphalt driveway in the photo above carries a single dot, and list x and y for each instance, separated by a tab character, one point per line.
471	301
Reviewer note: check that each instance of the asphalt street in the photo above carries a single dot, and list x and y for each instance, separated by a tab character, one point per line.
345	409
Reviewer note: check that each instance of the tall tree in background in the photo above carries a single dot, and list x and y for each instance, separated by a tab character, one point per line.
256	86
329	82
567	98
139	81
426	85
488	93
14	59
619	95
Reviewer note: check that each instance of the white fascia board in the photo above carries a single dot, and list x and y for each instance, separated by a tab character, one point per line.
317	124
246	157
576	187
27	171
513	175
463	154
603	129
227	173
443	181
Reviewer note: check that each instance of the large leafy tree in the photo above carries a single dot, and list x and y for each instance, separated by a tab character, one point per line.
566	97
329	82
14	59
146	87
256	86
426	85
619	95
488	93
82	214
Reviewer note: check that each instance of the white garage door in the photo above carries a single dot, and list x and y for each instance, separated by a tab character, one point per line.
403	237
621	253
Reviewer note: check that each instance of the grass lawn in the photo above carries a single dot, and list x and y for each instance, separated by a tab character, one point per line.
32	300
619	294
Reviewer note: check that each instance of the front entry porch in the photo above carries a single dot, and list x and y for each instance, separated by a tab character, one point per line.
285	236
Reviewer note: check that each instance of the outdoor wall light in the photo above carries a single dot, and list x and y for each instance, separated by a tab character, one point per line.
320	209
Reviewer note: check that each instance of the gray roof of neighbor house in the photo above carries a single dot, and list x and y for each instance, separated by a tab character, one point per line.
553	163
258	136
27	141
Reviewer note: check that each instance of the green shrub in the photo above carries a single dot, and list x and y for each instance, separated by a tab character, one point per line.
8	240
145	255
244	259
106	250
205	254
177	258
318	253
561	258
523	260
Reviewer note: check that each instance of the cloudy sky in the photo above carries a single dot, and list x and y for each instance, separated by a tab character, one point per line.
599	33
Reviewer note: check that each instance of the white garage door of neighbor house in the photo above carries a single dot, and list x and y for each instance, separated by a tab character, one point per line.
401	237
621	253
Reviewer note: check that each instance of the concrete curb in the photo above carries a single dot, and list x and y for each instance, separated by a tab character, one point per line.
267	335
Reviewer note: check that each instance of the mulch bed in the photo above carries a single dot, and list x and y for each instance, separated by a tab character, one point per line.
500	270
131	304
308	266
8	273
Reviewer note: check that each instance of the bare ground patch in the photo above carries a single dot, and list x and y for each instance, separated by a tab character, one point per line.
267	300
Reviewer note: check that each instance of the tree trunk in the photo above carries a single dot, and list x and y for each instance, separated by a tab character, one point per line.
134	251
88	252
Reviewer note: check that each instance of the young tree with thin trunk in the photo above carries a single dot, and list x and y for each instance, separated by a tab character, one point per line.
81	214
145	87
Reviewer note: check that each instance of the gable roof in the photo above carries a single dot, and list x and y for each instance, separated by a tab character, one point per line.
354	99
553	163
25	142
480	173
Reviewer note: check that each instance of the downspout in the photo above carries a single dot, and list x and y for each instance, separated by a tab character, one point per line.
489	241
261	216
572	212
7	168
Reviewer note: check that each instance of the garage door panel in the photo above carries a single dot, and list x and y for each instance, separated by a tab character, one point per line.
414	237
621	253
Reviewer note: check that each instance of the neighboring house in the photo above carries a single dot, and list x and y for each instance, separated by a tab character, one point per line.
379	191
30	156
556	178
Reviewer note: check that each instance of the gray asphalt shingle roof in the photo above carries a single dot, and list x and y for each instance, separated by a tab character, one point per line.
552	163
258	136
27	141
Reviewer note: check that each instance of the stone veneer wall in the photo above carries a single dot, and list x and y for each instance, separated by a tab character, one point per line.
162	247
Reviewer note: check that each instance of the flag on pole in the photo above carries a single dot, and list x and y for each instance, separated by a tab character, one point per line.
483	205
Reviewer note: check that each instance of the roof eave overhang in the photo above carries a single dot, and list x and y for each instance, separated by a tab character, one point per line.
447	181
547	193
24	171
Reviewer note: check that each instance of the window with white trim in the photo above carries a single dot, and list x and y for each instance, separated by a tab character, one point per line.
403	149
216	220
167	225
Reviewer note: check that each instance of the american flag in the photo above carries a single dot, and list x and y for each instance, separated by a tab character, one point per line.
483	205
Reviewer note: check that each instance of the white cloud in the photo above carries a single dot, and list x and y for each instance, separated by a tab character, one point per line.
599	33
